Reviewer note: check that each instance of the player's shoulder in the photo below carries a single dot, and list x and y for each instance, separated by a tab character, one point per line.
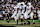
24	6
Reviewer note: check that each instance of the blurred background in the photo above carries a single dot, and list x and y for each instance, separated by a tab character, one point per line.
7	7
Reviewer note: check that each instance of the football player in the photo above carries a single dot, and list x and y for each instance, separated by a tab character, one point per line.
22	13
39	14
30	10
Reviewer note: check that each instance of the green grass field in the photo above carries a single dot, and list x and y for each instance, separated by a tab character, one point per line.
20	20
13	23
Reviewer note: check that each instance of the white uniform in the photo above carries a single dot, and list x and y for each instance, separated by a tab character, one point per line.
15	15
18	15
15	12
22	12
24	8
29	10
39	14
31	15
25	14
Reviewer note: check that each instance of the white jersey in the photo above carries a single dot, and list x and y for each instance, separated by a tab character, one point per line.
29	8
38	13
15	15
26	15
31	15
15	12
21	12
24	8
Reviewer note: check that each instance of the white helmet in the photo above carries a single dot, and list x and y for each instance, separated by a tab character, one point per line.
29	3
18	4
23	3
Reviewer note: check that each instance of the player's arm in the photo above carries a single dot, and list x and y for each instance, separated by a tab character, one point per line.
17	10
13	10
31	10
25	10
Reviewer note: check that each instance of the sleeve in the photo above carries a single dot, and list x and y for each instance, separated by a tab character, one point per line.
32	7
